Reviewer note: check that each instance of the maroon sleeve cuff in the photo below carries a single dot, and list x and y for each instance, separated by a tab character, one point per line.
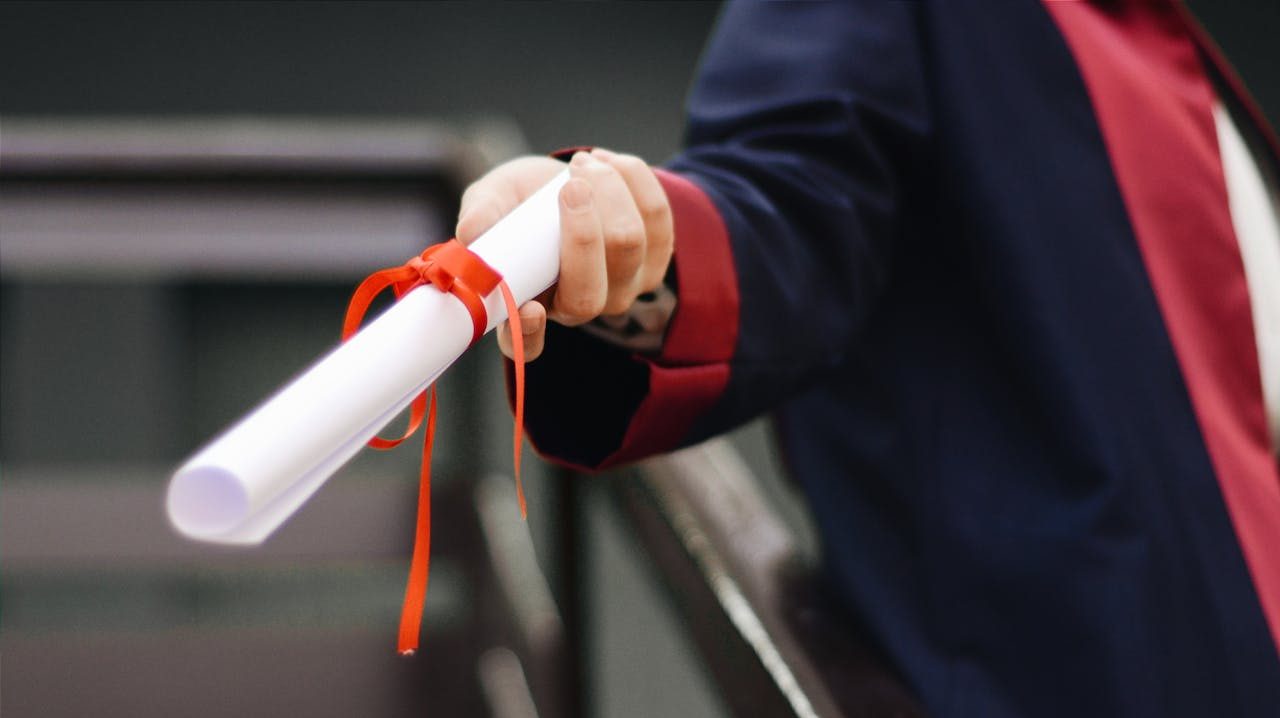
692	371
704	328
564	154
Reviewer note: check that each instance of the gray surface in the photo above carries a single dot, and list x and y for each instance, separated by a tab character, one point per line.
552	68
43	145
125	404
216	674
111	516
107	611
110	373
270	233
642	663
157	342
758	447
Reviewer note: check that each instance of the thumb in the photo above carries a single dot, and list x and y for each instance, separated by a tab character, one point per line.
533	329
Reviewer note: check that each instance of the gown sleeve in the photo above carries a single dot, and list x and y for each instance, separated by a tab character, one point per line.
801	124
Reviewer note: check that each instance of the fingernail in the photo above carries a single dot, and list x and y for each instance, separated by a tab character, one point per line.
576	194
580	159
603	154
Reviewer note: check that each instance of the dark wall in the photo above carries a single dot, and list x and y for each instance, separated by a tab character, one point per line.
577	73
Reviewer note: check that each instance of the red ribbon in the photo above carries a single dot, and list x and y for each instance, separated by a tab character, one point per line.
451	268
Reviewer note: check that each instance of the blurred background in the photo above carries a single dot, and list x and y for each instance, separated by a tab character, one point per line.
189	193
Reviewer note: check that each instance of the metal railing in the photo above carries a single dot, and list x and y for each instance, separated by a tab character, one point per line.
775	642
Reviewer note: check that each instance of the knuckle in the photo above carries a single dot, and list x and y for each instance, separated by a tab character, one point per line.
656	212
650	282
625	236
601	170
619	303
582	306
662	244
582	239
631	164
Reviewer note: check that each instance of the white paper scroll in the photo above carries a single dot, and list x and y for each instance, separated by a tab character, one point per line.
248	481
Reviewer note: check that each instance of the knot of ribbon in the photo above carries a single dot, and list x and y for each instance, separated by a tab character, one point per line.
453	269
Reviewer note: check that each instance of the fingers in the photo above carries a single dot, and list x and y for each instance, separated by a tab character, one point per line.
533	329
616	231
624	230
583	287
655	212
480	211
491	197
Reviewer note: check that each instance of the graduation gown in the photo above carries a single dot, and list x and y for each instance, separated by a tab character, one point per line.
976	260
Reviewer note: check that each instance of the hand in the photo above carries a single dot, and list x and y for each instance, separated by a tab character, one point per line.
616	235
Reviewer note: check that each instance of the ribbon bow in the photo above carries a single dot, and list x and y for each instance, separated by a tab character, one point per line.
453	269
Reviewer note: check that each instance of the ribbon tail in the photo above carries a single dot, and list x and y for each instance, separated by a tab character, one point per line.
371	287
517	348
416	411
454	270
415	593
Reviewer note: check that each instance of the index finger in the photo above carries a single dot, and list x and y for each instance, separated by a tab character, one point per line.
494	195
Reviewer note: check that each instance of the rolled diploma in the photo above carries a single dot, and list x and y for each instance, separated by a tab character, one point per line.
246	482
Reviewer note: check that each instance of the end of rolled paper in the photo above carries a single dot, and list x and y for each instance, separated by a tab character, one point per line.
204	502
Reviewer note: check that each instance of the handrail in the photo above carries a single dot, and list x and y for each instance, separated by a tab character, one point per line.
774	641
62	147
